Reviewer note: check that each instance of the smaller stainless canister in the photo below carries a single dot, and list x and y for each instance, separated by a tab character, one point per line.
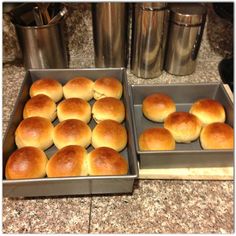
43	47
150	24
185	32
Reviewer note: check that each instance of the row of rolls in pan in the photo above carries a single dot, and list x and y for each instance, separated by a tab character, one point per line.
72	135
46	92
205	120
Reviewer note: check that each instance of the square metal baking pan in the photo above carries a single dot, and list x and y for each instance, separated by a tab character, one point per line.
69	185
185	155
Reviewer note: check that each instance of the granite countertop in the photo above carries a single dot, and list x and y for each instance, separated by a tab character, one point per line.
156	206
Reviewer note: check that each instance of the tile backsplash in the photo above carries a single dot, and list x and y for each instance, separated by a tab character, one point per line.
217	39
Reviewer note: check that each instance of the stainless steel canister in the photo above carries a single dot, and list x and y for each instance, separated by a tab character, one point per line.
110	34
150	25
186	27
43	46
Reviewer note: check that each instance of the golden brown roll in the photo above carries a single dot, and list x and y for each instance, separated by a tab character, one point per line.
68	161
26	163
158	106
79	87
108	108
208	111
184	127
106	161
40	105
35	132
217	136
156	139
72	132
47	86
74	108
109	133
107	87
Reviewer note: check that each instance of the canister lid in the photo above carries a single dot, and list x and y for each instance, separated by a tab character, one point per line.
152	5
188	13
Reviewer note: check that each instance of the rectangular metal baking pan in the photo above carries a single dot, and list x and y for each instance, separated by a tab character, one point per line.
70	185
186	155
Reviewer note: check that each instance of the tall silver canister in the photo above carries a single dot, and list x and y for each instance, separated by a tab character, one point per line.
43	46
186	27
150	24
110	34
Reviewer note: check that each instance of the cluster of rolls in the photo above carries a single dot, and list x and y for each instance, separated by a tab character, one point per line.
72	135
205	119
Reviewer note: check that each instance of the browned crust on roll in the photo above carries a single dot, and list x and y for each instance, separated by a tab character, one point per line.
208	111
34	131
47	86
40	105
26	162
109	133
72	132
184	127
158	106
74	108
46	82
68	161
79	87
106	161
108	87
80	82
156	139
181	121
217	136
109	108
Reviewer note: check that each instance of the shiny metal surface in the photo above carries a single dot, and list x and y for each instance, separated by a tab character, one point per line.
188	13
43	46
184	38
37	16
59	16
153	5
110	34
80	185
43	8
185	155
148	41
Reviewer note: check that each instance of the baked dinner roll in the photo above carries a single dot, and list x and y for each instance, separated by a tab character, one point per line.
74	108
72	132
208	111
109	133
156	139
26	163
107	87
79	87
108	108
42	106
158	106
47	86
217	136
68	161
184	127
106	161
35	132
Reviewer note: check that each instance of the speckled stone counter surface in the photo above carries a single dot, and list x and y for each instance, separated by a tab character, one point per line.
156	206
